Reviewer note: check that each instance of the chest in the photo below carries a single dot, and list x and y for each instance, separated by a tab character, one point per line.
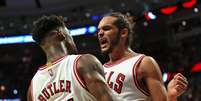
119	76
122	76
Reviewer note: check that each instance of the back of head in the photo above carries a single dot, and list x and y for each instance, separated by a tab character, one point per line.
44	25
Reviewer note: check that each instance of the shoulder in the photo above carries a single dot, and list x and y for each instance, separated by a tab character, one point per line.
88	59
148	66
89	63
148	60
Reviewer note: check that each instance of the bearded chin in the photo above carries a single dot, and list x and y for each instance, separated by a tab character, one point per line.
107	51
113	44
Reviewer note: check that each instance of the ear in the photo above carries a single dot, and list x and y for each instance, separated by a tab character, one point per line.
124	32
60	36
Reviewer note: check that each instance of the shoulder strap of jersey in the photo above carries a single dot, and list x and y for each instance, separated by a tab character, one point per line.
75	72
139	84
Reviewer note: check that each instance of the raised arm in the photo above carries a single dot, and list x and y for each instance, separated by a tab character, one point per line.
91	71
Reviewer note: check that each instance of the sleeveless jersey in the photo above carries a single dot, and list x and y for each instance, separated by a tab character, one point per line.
60	82
121	76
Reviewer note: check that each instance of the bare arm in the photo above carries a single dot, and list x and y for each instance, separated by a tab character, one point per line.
152	76
91	71
29	93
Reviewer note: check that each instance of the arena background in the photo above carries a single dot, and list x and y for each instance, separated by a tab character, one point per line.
168	30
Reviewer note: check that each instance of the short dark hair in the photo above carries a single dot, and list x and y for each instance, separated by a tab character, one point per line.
45	24
122	22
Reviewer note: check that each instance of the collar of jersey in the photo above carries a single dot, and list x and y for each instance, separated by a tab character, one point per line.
50	64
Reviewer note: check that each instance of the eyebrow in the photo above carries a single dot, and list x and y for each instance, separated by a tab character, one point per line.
105	26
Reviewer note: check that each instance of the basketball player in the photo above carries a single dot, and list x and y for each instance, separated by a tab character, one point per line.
65	77
134	76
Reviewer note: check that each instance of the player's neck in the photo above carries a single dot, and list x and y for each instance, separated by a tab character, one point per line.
54	56
55	52
120	53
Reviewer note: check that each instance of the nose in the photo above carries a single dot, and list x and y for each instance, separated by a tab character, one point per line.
100	33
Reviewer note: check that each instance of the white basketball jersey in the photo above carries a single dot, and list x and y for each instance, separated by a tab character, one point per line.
60	82
121	76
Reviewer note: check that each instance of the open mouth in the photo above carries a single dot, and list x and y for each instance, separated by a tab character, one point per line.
103	43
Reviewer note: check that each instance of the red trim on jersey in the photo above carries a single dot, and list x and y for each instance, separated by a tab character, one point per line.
135	75
52	63
81	82
108	65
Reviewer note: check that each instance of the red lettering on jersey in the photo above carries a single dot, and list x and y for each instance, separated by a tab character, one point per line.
50	89
61	85
68	85
110	84
55	88
119	81
45	93
41	98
